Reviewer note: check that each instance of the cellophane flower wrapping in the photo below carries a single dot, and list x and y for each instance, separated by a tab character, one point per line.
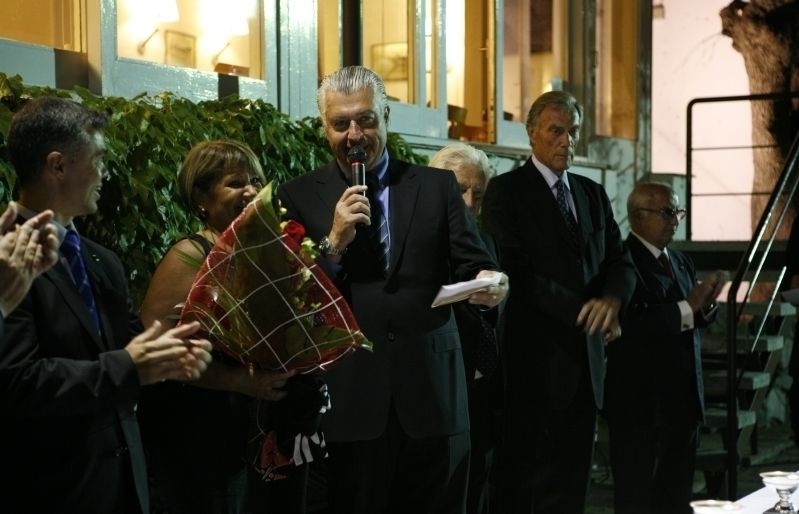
261	298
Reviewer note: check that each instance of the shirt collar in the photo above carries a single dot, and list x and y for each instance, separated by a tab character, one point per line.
550	176
381	169
61	230
655	251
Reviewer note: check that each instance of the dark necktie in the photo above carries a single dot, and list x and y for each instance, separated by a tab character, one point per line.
486	358
563	204
70	249
664	261
379	227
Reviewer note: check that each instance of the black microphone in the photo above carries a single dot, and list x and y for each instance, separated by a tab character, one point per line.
356	156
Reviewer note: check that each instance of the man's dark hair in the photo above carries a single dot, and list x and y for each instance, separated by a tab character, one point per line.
48	124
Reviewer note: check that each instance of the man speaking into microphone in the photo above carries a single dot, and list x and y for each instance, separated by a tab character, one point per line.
398	431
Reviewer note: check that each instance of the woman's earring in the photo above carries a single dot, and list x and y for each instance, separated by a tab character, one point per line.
203	212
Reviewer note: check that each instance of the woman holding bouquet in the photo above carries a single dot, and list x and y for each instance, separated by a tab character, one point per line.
196	434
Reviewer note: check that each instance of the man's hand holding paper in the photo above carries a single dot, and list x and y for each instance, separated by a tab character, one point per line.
487	288
493	294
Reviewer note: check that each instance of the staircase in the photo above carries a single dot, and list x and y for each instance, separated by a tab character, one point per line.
744	349
763	332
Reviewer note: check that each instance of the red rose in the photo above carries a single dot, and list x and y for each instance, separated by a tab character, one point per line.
294	232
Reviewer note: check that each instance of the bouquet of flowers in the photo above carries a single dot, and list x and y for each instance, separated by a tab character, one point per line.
263	300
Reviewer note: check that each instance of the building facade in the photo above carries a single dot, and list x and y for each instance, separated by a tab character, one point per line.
454	69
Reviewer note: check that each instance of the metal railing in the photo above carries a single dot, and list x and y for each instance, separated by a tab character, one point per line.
751	265
690	149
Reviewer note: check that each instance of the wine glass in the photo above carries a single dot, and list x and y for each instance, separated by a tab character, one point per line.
784	483
714	506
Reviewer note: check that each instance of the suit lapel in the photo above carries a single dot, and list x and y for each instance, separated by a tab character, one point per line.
680	273
334	185
581	205
403	192
101	287
648	265
548	207
60	277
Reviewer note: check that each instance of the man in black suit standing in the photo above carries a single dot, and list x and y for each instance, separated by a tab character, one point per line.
26	251
398	429
563	251
655	396
69	371
477	330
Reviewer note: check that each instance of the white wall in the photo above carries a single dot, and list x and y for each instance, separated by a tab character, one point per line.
691	59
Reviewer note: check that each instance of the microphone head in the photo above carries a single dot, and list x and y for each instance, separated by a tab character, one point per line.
356	154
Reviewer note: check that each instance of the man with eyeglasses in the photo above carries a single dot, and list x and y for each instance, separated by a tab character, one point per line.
654	399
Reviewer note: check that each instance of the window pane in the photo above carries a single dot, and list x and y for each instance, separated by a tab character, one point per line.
52	23
430	54
617	72
206	35
534	60
328	37
468	77
387	47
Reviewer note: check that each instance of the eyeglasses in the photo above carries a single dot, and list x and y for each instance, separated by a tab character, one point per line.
667	213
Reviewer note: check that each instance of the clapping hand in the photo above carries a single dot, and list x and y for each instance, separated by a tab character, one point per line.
26	251
704	294
161	355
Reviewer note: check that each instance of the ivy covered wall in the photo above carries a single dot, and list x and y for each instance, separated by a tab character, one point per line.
139	213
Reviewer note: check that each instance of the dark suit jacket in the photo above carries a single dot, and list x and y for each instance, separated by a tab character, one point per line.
551	276
468	316
68	432
416	363
655	369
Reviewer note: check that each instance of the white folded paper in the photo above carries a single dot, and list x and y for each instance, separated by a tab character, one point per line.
461	290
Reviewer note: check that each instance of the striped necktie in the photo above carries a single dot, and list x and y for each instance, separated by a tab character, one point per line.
486	358
379	228
70	249
568	217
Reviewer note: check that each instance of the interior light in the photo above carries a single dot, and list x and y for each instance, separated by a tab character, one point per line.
165	12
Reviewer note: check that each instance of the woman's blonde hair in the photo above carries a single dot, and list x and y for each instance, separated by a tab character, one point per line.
207	162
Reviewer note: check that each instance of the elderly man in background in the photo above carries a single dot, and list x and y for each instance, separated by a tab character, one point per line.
478	333
571	275
654	390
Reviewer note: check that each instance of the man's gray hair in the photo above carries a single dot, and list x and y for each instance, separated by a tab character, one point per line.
350	80
560	99
460	153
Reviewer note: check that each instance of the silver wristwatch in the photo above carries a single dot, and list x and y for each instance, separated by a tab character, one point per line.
326	248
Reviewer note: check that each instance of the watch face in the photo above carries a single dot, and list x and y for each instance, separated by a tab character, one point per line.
325	248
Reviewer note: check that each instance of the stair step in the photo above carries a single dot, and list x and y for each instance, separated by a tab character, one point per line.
716	417
712	255
717	343
716	381
777	309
